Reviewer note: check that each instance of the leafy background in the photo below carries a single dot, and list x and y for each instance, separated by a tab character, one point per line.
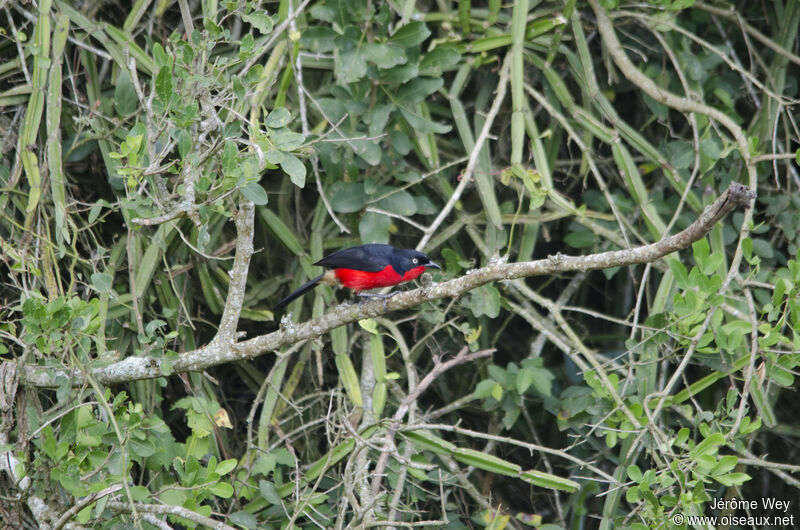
133	133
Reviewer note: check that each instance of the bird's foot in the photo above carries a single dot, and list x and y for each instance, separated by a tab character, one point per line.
382	296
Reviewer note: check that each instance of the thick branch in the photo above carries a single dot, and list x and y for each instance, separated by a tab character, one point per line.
226	334
218	352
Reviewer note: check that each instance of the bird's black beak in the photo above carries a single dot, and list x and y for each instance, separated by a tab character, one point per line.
432	265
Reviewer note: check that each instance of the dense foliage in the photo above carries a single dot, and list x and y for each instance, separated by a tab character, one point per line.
148	147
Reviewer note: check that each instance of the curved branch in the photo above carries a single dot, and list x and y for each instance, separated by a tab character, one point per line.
219	352
633	74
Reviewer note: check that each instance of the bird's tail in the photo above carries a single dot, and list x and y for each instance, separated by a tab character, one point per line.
310	284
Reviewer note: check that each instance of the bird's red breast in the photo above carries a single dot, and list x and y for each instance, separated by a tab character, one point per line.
361	280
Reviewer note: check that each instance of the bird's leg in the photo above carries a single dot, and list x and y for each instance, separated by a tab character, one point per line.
383	296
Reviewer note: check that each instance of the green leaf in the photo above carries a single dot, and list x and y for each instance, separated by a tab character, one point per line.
255	193
238	89
101	282
632	495
369	325
347	197
222	489
141	448
94	213
680	154
184	143
268	492
418	90
399	74
547	480
349	378
246	45
369	150
286	140
425	441
125	100
485	300
295	169
733	479
274	156
524	380
230	158
159	55
374	228
243	519
139	493
279	117
164	84
173	497
780	376
611	439
378	118
384	56
580	239
437	60
284	457
762	248
741	326
724	465
709	446
423	125
483	389
542	377
487	462
712	263
700	250
261	21
710	148
264	464
401	203
497	392
679	271
411	34
351	66
226	466
320	39
634	473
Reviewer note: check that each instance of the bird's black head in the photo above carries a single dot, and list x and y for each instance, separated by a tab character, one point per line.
404	260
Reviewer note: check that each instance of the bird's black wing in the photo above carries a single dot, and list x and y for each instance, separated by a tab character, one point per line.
368	258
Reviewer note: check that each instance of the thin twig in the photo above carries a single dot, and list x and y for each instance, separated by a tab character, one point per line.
462	357
466	177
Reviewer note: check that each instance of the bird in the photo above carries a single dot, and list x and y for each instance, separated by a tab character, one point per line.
366	267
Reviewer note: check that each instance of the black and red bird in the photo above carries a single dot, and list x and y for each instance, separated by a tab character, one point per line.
366	267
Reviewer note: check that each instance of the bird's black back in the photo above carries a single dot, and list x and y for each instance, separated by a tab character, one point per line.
373	257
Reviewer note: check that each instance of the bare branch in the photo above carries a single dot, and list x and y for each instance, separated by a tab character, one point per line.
179	511
220	352
438	369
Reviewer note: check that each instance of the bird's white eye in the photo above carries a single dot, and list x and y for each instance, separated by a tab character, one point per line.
415	261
